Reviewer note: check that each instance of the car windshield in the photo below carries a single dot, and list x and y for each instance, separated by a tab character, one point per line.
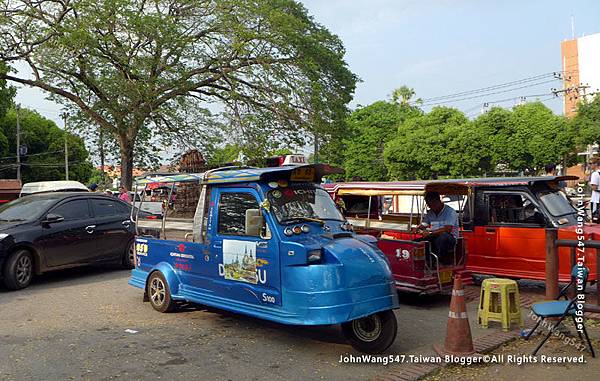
303	202
557	203
25	209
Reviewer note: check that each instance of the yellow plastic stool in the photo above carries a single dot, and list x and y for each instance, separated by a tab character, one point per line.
499	301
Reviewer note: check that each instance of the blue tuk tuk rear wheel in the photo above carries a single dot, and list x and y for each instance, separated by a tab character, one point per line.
372	334
159	293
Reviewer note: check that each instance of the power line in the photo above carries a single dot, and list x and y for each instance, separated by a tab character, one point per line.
33	154
487	94
493	87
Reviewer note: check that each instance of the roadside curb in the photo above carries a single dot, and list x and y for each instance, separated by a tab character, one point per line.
413	372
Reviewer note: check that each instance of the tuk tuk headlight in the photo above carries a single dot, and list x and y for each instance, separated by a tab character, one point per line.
288	231
314	256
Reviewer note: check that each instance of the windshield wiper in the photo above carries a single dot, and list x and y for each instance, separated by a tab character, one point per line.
11	220
310	219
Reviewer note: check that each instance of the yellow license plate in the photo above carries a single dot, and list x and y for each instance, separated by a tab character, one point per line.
303	174
445	276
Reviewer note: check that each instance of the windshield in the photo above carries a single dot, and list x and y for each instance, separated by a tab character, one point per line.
25	209
557	203
303	201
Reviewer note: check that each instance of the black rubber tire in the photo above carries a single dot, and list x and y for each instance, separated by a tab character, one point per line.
18	270
160	301
382	325
128	261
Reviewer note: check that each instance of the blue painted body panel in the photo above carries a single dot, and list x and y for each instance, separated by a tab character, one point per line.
351	281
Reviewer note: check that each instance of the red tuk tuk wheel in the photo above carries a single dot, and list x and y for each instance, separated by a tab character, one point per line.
372	334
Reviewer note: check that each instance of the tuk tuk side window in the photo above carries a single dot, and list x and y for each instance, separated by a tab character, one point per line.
513	208
232	212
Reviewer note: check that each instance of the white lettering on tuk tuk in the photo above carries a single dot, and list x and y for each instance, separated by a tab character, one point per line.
268	298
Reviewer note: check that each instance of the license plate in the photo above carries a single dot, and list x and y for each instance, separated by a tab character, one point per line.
303	174
446	276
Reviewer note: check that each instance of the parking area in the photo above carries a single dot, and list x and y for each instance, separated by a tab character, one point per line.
88	324
72	325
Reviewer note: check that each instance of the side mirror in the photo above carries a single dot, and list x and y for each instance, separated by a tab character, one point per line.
53	218
254	222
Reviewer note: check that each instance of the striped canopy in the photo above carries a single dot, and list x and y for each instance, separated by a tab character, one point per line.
174	178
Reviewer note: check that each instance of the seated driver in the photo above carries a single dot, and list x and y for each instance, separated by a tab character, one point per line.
441	225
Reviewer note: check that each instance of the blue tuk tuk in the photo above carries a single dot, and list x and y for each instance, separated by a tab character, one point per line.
269	243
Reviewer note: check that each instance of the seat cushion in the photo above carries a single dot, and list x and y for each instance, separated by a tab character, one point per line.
552	309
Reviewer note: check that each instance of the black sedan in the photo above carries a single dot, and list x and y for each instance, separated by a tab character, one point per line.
53	231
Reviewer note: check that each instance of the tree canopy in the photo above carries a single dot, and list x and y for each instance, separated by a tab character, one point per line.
45	149
156	72
369	129
587	121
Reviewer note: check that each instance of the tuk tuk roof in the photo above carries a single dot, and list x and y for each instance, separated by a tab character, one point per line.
173	178
242	174
448	186
236	174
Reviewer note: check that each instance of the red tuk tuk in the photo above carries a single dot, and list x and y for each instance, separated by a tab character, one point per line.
502	227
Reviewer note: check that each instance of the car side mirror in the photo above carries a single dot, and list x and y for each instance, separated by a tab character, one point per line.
53	218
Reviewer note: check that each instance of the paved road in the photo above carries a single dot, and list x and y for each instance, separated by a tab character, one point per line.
71	325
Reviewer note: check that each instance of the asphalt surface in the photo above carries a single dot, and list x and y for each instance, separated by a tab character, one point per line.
71	325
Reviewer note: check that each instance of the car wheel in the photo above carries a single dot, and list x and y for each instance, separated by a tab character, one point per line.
129	256
18	270
372	334
159	293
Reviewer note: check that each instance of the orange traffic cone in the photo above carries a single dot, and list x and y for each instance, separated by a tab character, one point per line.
458	333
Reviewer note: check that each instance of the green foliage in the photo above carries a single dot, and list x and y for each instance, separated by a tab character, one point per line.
6	96
533	137
587	122
7	92
444	143
369	128
147	71
222	155
422	146
45	145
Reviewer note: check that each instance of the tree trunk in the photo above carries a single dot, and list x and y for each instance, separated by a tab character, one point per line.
126	149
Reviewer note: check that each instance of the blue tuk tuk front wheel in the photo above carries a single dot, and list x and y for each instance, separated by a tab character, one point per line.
372	334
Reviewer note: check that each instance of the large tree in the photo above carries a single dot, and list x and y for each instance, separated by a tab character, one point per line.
587	121
531	136
422	148
45	148
149	67
370	128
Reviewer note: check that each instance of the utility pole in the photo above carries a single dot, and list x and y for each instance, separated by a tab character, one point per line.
101	144
65	115
18	143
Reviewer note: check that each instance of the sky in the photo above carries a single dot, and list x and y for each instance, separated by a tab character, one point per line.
439	47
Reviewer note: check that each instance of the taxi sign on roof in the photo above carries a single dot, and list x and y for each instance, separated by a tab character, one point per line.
295	160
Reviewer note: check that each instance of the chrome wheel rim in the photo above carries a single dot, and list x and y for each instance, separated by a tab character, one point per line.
157	291
23	270
368	328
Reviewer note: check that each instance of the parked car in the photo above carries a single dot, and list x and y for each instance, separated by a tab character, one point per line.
53	186
52	231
